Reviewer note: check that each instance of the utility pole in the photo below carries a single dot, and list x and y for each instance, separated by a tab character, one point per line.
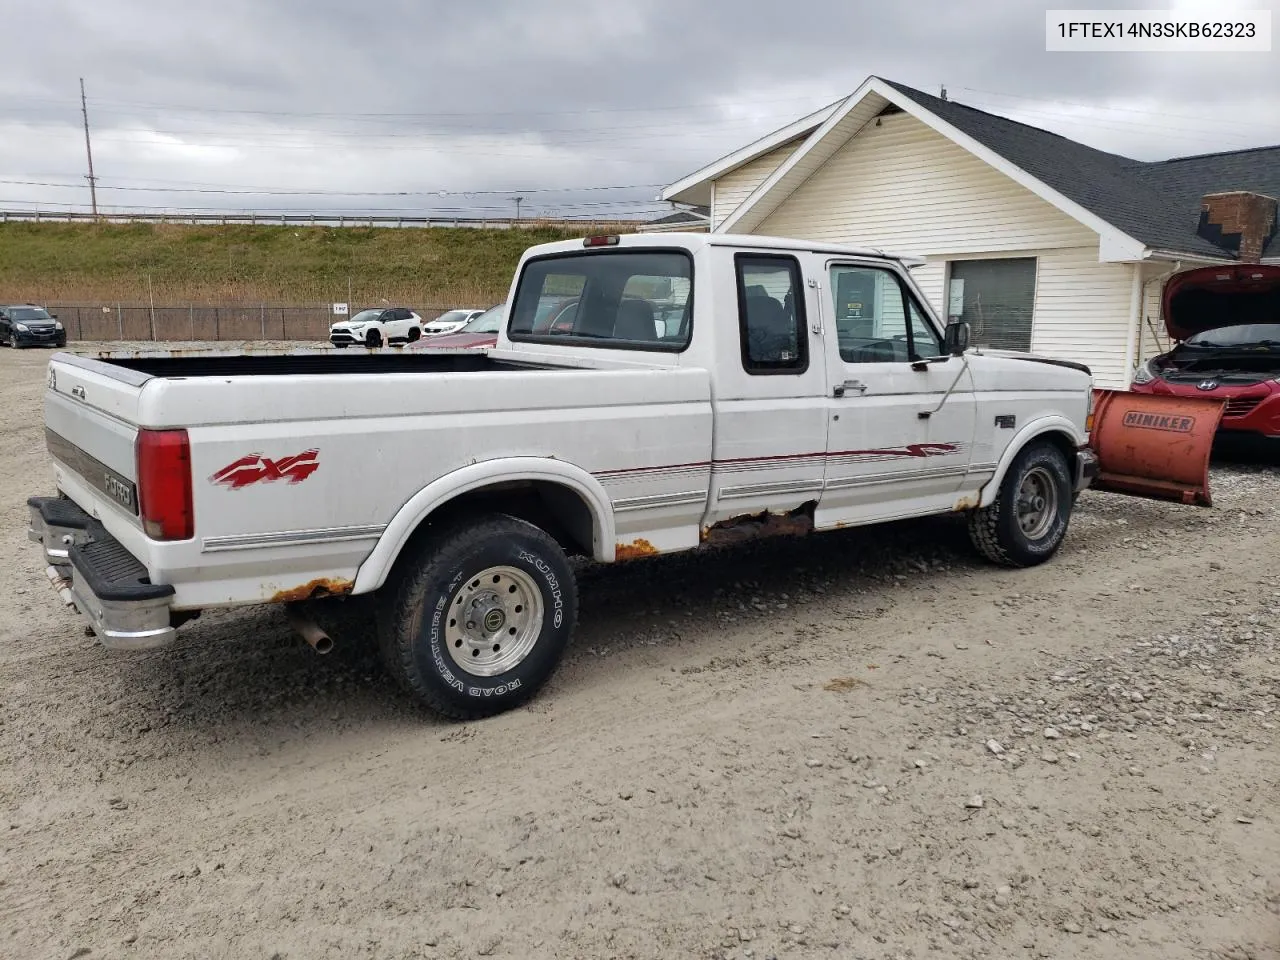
93	181
518	200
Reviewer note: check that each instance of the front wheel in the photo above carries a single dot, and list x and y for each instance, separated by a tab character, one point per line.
1027	522
373	340
479	620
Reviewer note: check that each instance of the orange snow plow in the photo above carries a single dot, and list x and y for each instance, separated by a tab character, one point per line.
1154	446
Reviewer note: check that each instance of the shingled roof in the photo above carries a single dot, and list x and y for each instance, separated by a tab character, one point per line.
1156	202
1153	203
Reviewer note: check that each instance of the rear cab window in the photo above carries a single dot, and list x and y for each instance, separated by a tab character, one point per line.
771	314
623	300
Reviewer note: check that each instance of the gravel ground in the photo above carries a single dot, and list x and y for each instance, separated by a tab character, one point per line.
862	745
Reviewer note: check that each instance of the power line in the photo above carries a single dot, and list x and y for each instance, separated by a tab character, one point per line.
334	193
280	136
1114	109
1119	124
565	204
468	113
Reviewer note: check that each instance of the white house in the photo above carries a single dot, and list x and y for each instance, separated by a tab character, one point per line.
1040	242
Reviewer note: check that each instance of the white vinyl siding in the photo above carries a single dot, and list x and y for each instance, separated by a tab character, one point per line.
731	189
1153	339
1082	312
930	277
905	188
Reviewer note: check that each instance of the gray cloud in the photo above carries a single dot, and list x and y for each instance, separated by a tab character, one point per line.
499	95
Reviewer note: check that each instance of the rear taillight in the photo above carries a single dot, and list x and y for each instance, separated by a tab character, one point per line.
164	484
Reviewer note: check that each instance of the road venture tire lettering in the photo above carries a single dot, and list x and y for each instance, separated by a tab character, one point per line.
426	601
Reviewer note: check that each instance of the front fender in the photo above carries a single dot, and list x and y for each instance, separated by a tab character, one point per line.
1036	428
376	567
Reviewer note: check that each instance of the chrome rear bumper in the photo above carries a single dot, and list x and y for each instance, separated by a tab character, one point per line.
107	584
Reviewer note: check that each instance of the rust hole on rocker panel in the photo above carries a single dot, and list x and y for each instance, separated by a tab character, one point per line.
634	550
794	523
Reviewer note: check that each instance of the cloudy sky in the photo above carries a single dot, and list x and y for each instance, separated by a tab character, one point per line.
583	107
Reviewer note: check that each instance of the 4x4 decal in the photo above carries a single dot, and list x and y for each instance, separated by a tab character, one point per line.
255	468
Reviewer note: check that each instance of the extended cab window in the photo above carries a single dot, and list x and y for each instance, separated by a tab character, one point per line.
771	314
637	300
877	320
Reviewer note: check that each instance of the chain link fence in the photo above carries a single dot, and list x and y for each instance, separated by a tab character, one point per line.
132	321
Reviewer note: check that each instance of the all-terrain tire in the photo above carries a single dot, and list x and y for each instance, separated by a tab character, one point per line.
496	569
373	340
1011	532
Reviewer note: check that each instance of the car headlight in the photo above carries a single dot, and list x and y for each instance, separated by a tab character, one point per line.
21	327
57	324
1145	373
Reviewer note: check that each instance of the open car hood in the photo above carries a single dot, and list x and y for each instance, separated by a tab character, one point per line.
1211	297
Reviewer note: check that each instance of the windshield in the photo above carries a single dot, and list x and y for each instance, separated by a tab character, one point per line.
29	313
1240	335
366	316
488	322
453	316
618	299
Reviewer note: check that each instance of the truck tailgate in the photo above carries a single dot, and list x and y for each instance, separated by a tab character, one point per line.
90	412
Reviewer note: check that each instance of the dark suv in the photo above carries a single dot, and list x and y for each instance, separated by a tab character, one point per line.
26	325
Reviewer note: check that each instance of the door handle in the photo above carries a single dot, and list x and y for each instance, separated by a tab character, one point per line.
840	388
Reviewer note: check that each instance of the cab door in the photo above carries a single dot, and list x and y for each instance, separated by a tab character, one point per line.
901	415
770	435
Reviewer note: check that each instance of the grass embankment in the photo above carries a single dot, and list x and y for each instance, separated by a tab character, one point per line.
107	263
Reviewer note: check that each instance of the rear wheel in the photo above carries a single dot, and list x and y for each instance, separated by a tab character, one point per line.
1028	520
414	335
479	620
373	340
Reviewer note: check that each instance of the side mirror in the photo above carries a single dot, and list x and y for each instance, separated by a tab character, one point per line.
955	338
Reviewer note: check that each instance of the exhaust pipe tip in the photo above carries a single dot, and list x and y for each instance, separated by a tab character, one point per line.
310	631
322	644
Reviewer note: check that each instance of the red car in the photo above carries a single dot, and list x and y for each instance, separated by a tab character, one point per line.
1226	323
479	334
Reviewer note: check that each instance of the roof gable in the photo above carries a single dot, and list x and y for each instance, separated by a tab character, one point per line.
859	109
696	187
1134	206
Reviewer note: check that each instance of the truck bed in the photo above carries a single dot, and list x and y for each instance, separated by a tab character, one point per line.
215	364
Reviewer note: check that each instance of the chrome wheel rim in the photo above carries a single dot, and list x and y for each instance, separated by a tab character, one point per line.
494	621
1037	503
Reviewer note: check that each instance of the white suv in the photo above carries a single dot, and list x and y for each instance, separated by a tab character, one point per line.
450	322
373	328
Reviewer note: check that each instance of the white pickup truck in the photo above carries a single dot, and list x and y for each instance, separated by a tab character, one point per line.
789	387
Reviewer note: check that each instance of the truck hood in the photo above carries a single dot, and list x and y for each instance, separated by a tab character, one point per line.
1211	297
1036	358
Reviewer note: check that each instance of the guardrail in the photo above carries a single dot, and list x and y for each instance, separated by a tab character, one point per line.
313	220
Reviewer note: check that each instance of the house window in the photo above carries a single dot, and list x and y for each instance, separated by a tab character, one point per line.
998	298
